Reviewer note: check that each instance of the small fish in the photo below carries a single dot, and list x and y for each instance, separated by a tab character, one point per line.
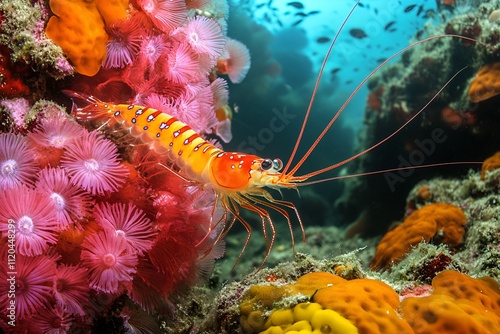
357	33
279	23
392	30
300	14
296	23
260	6
322	40
361	5
296	4
380	60
313	12
388	25
420	10
335	70
409	8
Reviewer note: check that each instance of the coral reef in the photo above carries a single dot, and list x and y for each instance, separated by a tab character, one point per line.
485	84
454	125
490	164
454	302
131	246
439	222
434	286
106	236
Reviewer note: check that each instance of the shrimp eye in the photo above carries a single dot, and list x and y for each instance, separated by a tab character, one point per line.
266	164
277	164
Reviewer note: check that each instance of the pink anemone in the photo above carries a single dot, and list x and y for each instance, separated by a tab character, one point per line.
166	15
205	36
32	216
125	43
33	279
71	289
182	64
220	92
16	161
235	61
92	162
153	47
56	132
108	261
68	200
53	320
127	222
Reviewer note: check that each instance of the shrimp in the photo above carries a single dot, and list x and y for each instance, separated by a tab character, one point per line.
239	180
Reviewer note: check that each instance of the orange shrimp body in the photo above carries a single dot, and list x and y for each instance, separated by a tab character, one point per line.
236	178
197	159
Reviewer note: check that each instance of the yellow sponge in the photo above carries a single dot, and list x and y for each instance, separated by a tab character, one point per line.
305	311
331	322
308	318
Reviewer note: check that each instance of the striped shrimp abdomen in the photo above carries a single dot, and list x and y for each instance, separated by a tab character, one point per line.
166	134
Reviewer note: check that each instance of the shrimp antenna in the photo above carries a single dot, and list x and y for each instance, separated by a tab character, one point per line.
355	91
315	90
390	170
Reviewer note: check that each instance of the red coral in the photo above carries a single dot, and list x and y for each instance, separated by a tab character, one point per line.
374	101
11	84
430	269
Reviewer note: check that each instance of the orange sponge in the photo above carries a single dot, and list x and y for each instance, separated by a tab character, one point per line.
438	220
489	164
308	284
112	11
486	84
459	304
78	29
369	304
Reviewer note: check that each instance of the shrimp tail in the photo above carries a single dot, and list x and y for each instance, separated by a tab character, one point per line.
88	108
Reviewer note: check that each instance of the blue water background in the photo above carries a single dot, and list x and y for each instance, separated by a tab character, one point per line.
355	57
